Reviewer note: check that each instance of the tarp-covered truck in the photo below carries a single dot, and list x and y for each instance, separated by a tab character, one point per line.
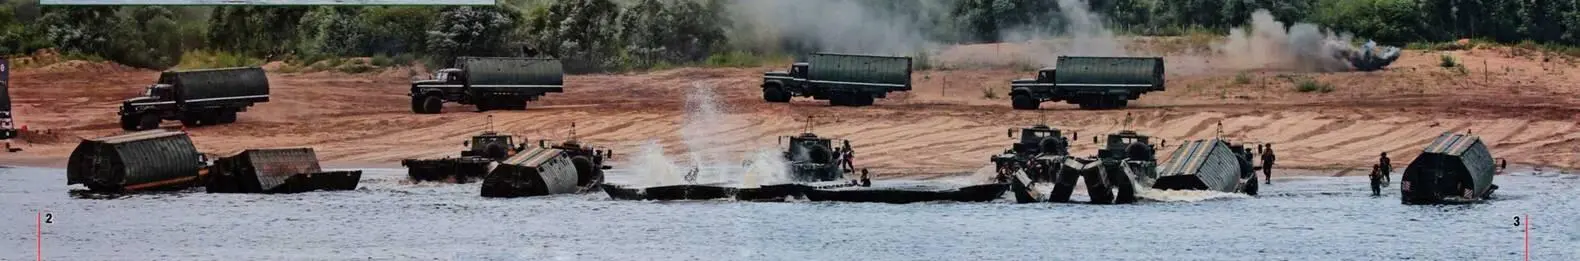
490	83
196	97
1091	82
842	79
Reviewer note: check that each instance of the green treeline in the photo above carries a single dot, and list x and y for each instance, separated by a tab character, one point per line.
611	35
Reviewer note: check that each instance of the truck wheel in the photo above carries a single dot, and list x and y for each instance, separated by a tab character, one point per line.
516	105
1024	102
862	100
208	118
130	122
775	94
226	116
1250	186
148	122
416	104
586	173
1121	103
191	119
1088	105
431	104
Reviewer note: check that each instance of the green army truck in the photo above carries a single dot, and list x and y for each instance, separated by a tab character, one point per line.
490	83
842	79
196	97
1091	82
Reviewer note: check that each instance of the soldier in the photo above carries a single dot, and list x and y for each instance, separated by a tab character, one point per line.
1267	163
1377	179
1385	164
865	181
848	158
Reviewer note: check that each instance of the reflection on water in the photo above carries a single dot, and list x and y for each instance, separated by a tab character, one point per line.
1315	218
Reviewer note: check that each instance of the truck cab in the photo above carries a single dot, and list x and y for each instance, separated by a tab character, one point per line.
812	158
1128	144
490	145
1041	139
443	76
151	94
779	86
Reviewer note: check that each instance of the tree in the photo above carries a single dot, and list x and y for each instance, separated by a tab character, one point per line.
472	31
578	32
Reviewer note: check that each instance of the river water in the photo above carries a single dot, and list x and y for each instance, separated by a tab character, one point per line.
387	218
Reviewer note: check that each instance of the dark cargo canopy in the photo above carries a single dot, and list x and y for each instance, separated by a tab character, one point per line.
218	84
1135	72
148	160
867	70
500	72
1455	166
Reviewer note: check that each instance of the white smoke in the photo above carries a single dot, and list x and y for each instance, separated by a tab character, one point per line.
1085	34
1268	44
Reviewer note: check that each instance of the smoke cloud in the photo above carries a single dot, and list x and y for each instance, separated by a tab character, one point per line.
1302	47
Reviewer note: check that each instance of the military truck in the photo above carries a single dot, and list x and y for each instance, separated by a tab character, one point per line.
812	158
490	83
1091	82
196	97
1035	142
842	79
7	127
1454	168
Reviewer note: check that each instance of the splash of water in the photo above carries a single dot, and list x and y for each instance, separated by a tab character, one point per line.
653	167
1164	195
765	167
701	133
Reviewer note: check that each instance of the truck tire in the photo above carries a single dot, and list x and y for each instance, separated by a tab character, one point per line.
431	104
515	104
1024	102
496	152
586	173
775	94
1121	103
1250	186
148	122
226	116
191	119
819	154
416	104
130	122
862	100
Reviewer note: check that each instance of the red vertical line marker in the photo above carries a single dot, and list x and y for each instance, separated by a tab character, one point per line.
39	235
1527	237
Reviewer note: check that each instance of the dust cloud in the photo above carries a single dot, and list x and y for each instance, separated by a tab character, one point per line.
1267	43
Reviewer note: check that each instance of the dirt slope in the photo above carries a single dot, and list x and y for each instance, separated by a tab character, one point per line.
1526	109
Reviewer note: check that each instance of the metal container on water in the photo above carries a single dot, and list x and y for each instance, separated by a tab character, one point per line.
147	160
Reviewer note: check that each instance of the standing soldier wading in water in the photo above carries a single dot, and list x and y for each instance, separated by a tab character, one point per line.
1267	163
